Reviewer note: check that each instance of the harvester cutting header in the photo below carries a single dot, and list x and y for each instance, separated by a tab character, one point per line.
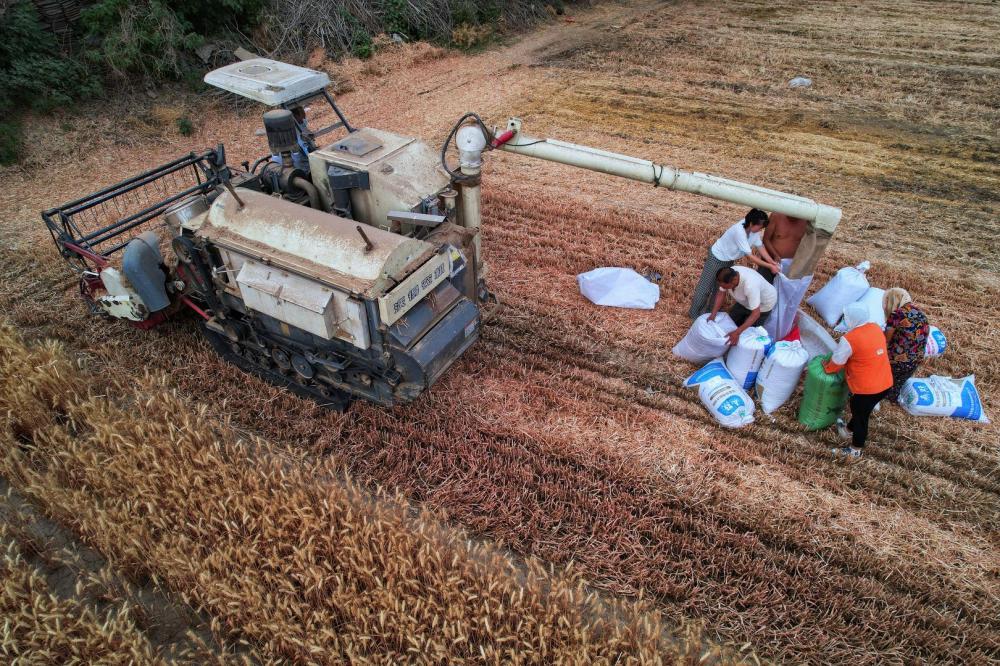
351	269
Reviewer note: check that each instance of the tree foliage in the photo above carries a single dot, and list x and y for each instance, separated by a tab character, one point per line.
154	39
36	74
147	42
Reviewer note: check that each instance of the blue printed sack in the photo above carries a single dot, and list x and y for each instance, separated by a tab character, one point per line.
943	396
936	343
727	402
714	368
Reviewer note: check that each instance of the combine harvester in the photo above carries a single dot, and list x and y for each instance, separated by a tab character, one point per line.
360	276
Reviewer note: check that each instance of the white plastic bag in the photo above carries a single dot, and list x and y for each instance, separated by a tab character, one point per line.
790	295
872	300
726	402
705	339
943	396
936	343
714	368
618	287
847	286
744	359
780	374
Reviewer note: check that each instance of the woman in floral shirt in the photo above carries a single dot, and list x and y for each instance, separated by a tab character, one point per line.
906	330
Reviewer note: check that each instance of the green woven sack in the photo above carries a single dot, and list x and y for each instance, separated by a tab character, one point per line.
823	397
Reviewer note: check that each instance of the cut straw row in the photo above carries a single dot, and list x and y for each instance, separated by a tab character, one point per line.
284	554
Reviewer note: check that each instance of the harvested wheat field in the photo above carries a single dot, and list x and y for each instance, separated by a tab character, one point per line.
556	495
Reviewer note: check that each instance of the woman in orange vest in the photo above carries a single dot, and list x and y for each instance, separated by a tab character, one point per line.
862	352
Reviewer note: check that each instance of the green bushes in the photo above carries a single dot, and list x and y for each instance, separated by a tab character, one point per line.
297	26
185	126
36	75
116	41
147	42
155	40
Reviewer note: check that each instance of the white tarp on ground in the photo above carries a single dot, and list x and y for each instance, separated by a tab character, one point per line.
618	287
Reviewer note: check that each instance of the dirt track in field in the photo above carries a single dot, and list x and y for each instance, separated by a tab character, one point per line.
564	432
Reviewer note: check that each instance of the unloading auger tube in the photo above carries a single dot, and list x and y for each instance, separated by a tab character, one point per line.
472	139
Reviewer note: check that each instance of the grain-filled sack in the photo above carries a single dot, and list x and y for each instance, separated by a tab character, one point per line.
936	343
872	300
711	370
780	374
618	287
706	339
847	286
727	402
943	396
744	359
823	395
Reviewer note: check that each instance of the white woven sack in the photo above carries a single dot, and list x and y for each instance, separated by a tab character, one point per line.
847	286
726	402
744	359
936	343
790	295
705	339
714	368
872	300
943	396
780	374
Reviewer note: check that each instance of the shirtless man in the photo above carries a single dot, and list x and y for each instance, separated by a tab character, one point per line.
781	239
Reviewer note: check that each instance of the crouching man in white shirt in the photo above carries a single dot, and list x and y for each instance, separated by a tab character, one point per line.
754	298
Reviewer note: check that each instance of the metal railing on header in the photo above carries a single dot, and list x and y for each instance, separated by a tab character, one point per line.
104	221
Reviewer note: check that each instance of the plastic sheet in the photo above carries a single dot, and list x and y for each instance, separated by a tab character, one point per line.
618	287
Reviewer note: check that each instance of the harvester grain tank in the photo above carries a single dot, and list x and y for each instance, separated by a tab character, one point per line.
342	269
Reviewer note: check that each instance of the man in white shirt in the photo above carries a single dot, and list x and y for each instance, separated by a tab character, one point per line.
743	239
754	296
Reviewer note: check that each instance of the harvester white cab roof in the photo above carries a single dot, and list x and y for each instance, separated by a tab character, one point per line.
268	81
